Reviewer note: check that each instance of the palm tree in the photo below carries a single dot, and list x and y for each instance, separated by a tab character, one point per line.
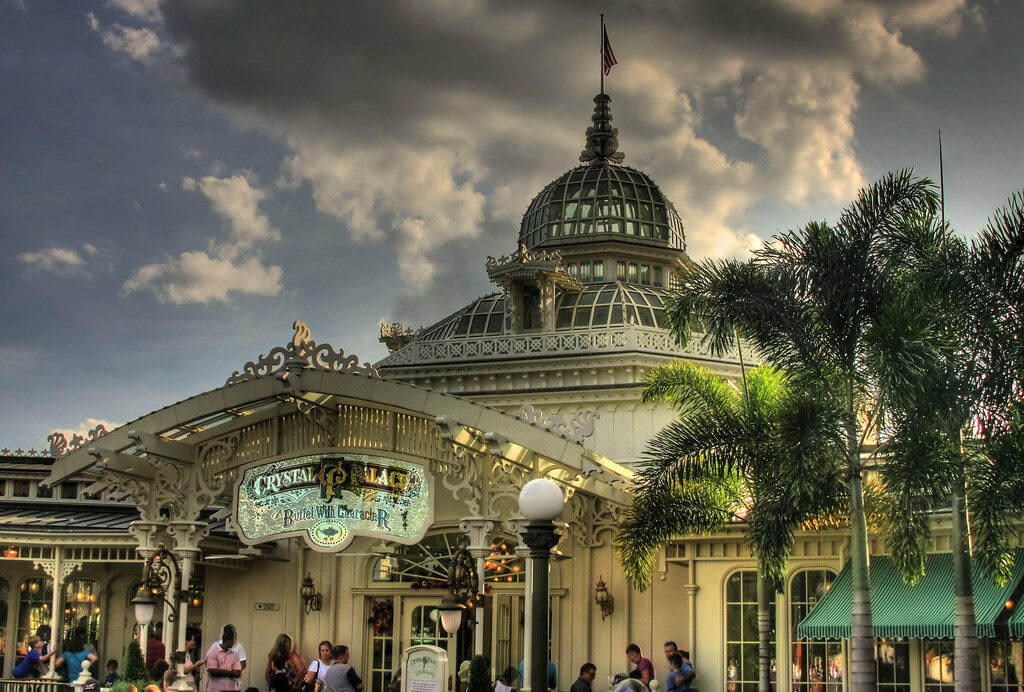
808	301
948	357
732	455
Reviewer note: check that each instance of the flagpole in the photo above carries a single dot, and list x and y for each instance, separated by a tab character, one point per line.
601	52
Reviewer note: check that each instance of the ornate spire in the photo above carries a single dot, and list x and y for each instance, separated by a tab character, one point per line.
602	138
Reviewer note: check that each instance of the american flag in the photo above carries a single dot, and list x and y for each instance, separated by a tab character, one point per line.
609	56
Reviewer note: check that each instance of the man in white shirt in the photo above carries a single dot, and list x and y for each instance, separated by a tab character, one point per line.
237	648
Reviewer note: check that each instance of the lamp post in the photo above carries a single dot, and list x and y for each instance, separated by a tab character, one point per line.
159	578
540	501
463	591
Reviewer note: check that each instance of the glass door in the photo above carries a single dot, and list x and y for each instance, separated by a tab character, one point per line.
421	624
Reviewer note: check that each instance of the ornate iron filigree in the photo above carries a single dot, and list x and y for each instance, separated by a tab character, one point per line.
19	452
59	444
302	353
577	428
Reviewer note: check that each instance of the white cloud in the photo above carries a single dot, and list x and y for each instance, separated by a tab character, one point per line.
413	201
61	261
196	277
145	10
83	429
803	118
237	202
141	44
227	267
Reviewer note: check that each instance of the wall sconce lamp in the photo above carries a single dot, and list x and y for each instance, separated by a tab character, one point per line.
311	600
195	595
159	580
603	598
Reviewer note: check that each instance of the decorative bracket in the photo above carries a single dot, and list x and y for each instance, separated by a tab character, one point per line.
51	569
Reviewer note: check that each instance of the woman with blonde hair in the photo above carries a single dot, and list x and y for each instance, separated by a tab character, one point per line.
295	667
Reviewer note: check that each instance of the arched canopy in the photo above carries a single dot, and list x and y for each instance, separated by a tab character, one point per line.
182	459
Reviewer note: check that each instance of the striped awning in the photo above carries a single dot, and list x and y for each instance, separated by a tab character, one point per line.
1016	621
921	611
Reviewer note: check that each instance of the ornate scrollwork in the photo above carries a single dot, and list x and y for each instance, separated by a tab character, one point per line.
308	353
59	444
524	255
463	480
594	519
19	452
577	428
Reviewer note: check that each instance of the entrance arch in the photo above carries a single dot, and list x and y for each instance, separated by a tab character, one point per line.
183	461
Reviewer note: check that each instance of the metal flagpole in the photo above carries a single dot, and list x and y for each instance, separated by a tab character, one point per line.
601	52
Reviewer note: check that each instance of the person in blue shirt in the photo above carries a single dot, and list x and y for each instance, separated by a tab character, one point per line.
681	673
112	676
29	666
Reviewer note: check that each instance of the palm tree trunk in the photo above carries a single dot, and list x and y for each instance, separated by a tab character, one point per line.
967	663
764	633
862	645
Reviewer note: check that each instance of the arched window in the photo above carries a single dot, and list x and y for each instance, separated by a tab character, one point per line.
5	595
82	608
815	665
741	637
426	563
35	598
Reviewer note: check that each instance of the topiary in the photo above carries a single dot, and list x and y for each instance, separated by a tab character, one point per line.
135	672
479	675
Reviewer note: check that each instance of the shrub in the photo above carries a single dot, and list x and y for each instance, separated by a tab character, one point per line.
135	672
479	675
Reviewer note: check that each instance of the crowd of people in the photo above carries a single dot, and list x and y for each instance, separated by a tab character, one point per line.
287	671
40	657
679	678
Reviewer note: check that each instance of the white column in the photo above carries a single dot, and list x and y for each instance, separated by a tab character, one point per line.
478	529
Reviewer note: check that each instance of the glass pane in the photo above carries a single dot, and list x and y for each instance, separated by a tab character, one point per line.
749	586
732	588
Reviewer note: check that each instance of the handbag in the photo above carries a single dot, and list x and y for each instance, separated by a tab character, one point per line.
310	686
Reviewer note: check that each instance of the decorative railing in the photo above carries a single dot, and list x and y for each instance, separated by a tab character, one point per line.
34	685
611	340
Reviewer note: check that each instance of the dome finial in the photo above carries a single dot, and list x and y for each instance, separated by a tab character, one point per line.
602	138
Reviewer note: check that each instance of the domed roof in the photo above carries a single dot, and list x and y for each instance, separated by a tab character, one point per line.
595	306
601	201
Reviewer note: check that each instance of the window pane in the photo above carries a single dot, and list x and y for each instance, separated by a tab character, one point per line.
815	665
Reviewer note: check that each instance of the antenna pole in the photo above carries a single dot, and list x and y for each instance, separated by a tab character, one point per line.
942	186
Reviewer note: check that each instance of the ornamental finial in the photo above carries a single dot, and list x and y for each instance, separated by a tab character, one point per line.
602	138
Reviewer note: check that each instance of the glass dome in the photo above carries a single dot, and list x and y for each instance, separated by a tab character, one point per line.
595	306
593	201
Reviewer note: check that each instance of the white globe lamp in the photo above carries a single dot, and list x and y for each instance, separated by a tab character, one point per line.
541	499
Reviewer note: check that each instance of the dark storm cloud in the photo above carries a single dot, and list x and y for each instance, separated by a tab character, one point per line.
427	126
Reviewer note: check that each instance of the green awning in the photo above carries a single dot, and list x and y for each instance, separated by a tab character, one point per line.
921	611
1016	622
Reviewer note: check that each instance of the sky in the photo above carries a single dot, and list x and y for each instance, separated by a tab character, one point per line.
181	180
